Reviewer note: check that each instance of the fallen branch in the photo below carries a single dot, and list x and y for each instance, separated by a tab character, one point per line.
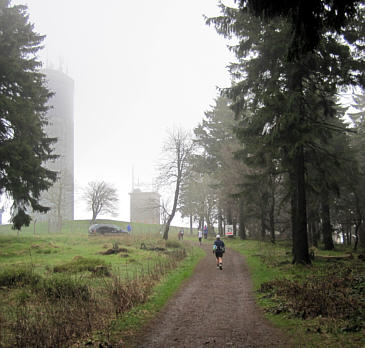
334	257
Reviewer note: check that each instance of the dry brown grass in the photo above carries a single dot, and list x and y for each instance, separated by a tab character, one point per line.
59	309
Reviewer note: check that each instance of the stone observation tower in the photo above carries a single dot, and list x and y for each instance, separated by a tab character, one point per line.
60	197
145	206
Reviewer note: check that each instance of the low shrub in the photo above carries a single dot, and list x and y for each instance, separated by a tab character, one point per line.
59	308
46	251
338	293
63	287
173	244
46	323
126	294
12	277
81	264
22	297
177	255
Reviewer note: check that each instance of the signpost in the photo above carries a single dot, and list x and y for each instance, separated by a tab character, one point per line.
229	230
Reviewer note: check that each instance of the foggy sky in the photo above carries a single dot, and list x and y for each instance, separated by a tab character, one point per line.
140	67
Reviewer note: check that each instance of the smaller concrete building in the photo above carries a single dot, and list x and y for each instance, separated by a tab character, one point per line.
145	207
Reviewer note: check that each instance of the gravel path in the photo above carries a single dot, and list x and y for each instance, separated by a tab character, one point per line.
213	309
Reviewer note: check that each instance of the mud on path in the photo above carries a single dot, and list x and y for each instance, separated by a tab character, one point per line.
213	309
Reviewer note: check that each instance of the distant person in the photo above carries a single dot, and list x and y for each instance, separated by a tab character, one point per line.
200	236
182	234
129	228
218	250
205	232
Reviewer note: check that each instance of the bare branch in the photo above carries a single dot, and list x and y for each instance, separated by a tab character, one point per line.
172	168
101	198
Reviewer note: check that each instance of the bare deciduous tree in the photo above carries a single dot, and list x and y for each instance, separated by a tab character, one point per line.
58	199
177	149
101	198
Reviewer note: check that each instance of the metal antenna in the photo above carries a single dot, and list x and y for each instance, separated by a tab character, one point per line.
132	178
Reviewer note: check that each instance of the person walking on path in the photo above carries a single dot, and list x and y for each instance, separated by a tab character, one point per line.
200	236
218	250
205	231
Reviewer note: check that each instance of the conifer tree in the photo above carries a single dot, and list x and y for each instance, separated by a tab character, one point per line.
216	160
308	20
358	183
24	146
285	107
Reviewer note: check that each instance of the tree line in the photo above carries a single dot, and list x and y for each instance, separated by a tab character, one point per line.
276	154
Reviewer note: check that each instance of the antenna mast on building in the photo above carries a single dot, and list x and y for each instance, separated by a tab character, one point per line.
132	178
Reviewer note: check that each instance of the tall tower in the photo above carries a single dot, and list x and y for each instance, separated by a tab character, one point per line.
145	206
60	197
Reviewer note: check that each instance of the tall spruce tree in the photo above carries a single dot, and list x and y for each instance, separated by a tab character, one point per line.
218	143
285	106
358	184
308	20
24	146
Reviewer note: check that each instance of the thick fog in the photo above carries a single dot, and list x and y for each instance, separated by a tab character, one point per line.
140	67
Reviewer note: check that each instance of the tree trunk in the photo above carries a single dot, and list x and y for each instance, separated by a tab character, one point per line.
93	220
229	216
310	233
191	223
209	225
59	210
344	235
313	221
300	238
171	216
326	221
263	228
242	228
167	228
362	236
220	222
272	220
234	227
357	227
294	213
317	234
348	235
263	213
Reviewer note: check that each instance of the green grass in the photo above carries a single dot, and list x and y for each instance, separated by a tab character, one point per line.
81	227
46	250
255	252
268	262
48	260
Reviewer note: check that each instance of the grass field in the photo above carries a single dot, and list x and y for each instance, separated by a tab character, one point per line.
57	288
321	305
45	249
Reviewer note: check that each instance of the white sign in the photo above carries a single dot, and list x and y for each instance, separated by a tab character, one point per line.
229	230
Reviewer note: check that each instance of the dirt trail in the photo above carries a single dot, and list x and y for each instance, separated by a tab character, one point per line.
213	309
